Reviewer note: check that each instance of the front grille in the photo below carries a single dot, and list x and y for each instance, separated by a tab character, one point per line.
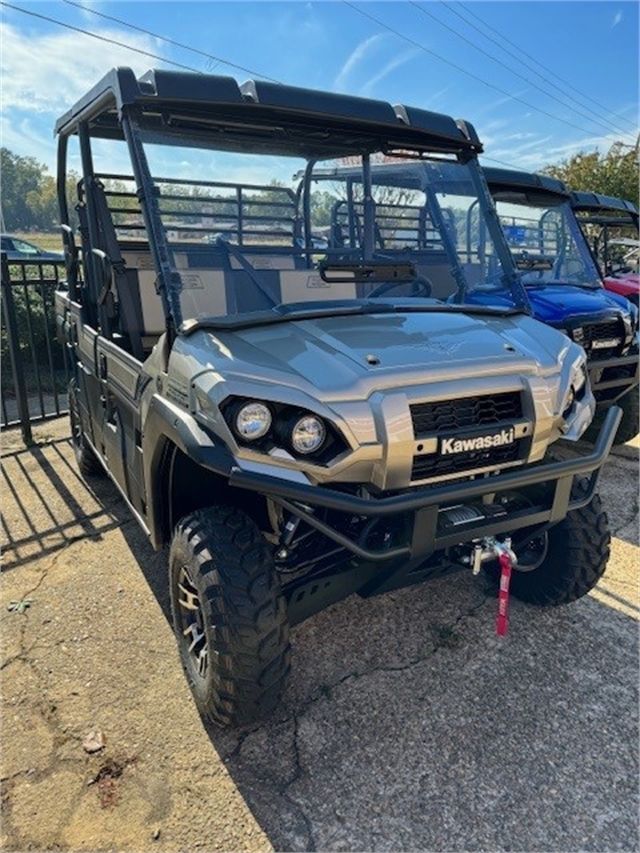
604	331
452	415
434	465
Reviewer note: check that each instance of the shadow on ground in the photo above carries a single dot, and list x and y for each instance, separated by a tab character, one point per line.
408	724
47	505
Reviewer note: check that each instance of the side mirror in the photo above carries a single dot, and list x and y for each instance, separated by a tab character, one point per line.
368	271
529	262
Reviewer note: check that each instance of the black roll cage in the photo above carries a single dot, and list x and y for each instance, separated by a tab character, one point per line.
197	109
607	213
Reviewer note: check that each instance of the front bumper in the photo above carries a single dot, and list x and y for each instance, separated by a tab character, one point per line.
420	507
612	378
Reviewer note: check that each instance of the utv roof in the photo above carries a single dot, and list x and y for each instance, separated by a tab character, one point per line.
595	203
286	119
511	179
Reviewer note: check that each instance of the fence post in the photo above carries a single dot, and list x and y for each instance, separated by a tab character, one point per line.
15	355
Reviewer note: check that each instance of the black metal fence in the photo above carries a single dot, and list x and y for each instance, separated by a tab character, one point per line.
33	368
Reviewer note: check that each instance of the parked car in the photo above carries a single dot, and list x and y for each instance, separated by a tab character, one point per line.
611	227
18	249
296	429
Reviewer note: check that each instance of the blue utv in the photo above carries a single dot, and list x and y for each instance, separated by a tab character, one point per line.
564	284
423	214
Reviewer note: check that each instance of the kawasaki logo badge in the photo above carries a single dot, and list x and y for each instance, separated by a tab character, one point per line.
610	342
479	442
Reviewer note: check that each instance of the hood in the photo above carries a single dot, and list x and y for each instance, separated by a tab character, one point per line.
335	354
554	303
627	284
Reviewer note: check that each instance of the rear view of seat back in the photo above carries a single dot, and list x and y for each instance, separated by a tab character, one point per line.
203	293
223	290
308	286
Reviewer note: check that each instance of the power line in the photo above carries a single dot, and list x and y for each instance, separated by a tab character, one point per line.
502	163
100	38
591	116
218	59
456	11
130	47
463	70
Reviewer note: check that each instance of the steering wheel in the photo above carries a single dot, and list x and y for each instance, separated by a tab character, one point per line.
420	286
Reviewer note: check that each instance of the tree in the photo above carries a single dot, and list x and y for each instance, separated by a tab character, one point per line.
615	173
321	204
28	193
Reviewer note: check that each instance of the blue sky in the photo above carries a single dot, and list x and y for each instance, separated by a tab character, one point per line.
583	96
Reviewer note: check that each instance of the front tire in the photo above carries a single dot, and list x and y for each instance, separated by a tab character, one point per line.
574	560
630	420
229	616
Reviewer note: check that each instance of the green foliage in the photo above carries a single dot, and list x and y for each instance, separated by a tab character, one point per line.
41	356
29	196
321	204
615	173
28	193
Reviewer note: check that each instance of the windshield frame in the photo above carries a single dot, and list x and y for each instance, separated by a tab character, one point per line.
509	277
169	283
553	202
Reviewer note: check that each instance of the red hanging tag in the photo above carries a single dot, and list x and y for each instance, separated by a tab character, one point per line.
503	594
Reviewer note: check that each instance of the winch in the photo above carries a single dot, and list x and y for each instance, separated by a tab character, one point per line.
489	548
460	514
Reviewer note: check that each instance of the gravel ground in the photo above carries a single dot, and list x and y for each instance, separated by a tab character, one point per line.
408	725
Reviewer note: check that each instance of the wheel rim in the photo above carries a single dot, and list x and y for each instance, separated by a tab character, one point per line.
192	623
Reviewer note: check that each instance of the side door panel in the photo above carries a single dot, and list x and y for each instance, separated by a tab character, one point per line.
109	385
83	340
120	377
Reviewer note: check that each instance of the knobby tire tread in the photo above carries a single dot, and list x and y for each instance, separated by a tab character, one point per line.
577	559
242	601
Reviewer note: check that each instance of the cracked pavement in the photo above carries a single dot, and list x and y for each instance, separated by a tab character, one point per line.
407	725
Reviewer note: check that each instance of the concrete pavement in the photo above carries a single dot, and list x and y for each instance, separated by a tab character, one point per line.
408	725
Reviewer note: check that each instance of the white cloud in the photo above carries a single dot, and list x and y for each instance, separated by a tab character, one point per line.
47	73
543	156
86	6
22	137
354	58
617	18
501	102
436	96
388	68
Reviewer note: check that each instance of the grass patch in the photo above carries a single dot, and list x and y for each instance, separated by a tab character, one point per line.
49	241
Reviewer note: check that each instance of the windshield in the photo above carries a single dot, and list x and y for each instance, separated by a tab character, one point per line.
546	242
613	237
424	212
248	232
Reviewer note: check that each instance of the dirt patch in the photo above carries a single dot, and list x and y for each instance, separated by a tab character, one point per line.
107	779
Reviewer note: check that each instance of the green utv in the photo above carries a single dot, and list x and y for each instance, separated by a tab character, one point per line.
296	425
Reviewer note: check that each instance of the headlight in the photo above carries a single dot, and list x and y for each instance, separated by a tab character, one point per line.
579	376
577	382
308	434
569	400
253	421
577	335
